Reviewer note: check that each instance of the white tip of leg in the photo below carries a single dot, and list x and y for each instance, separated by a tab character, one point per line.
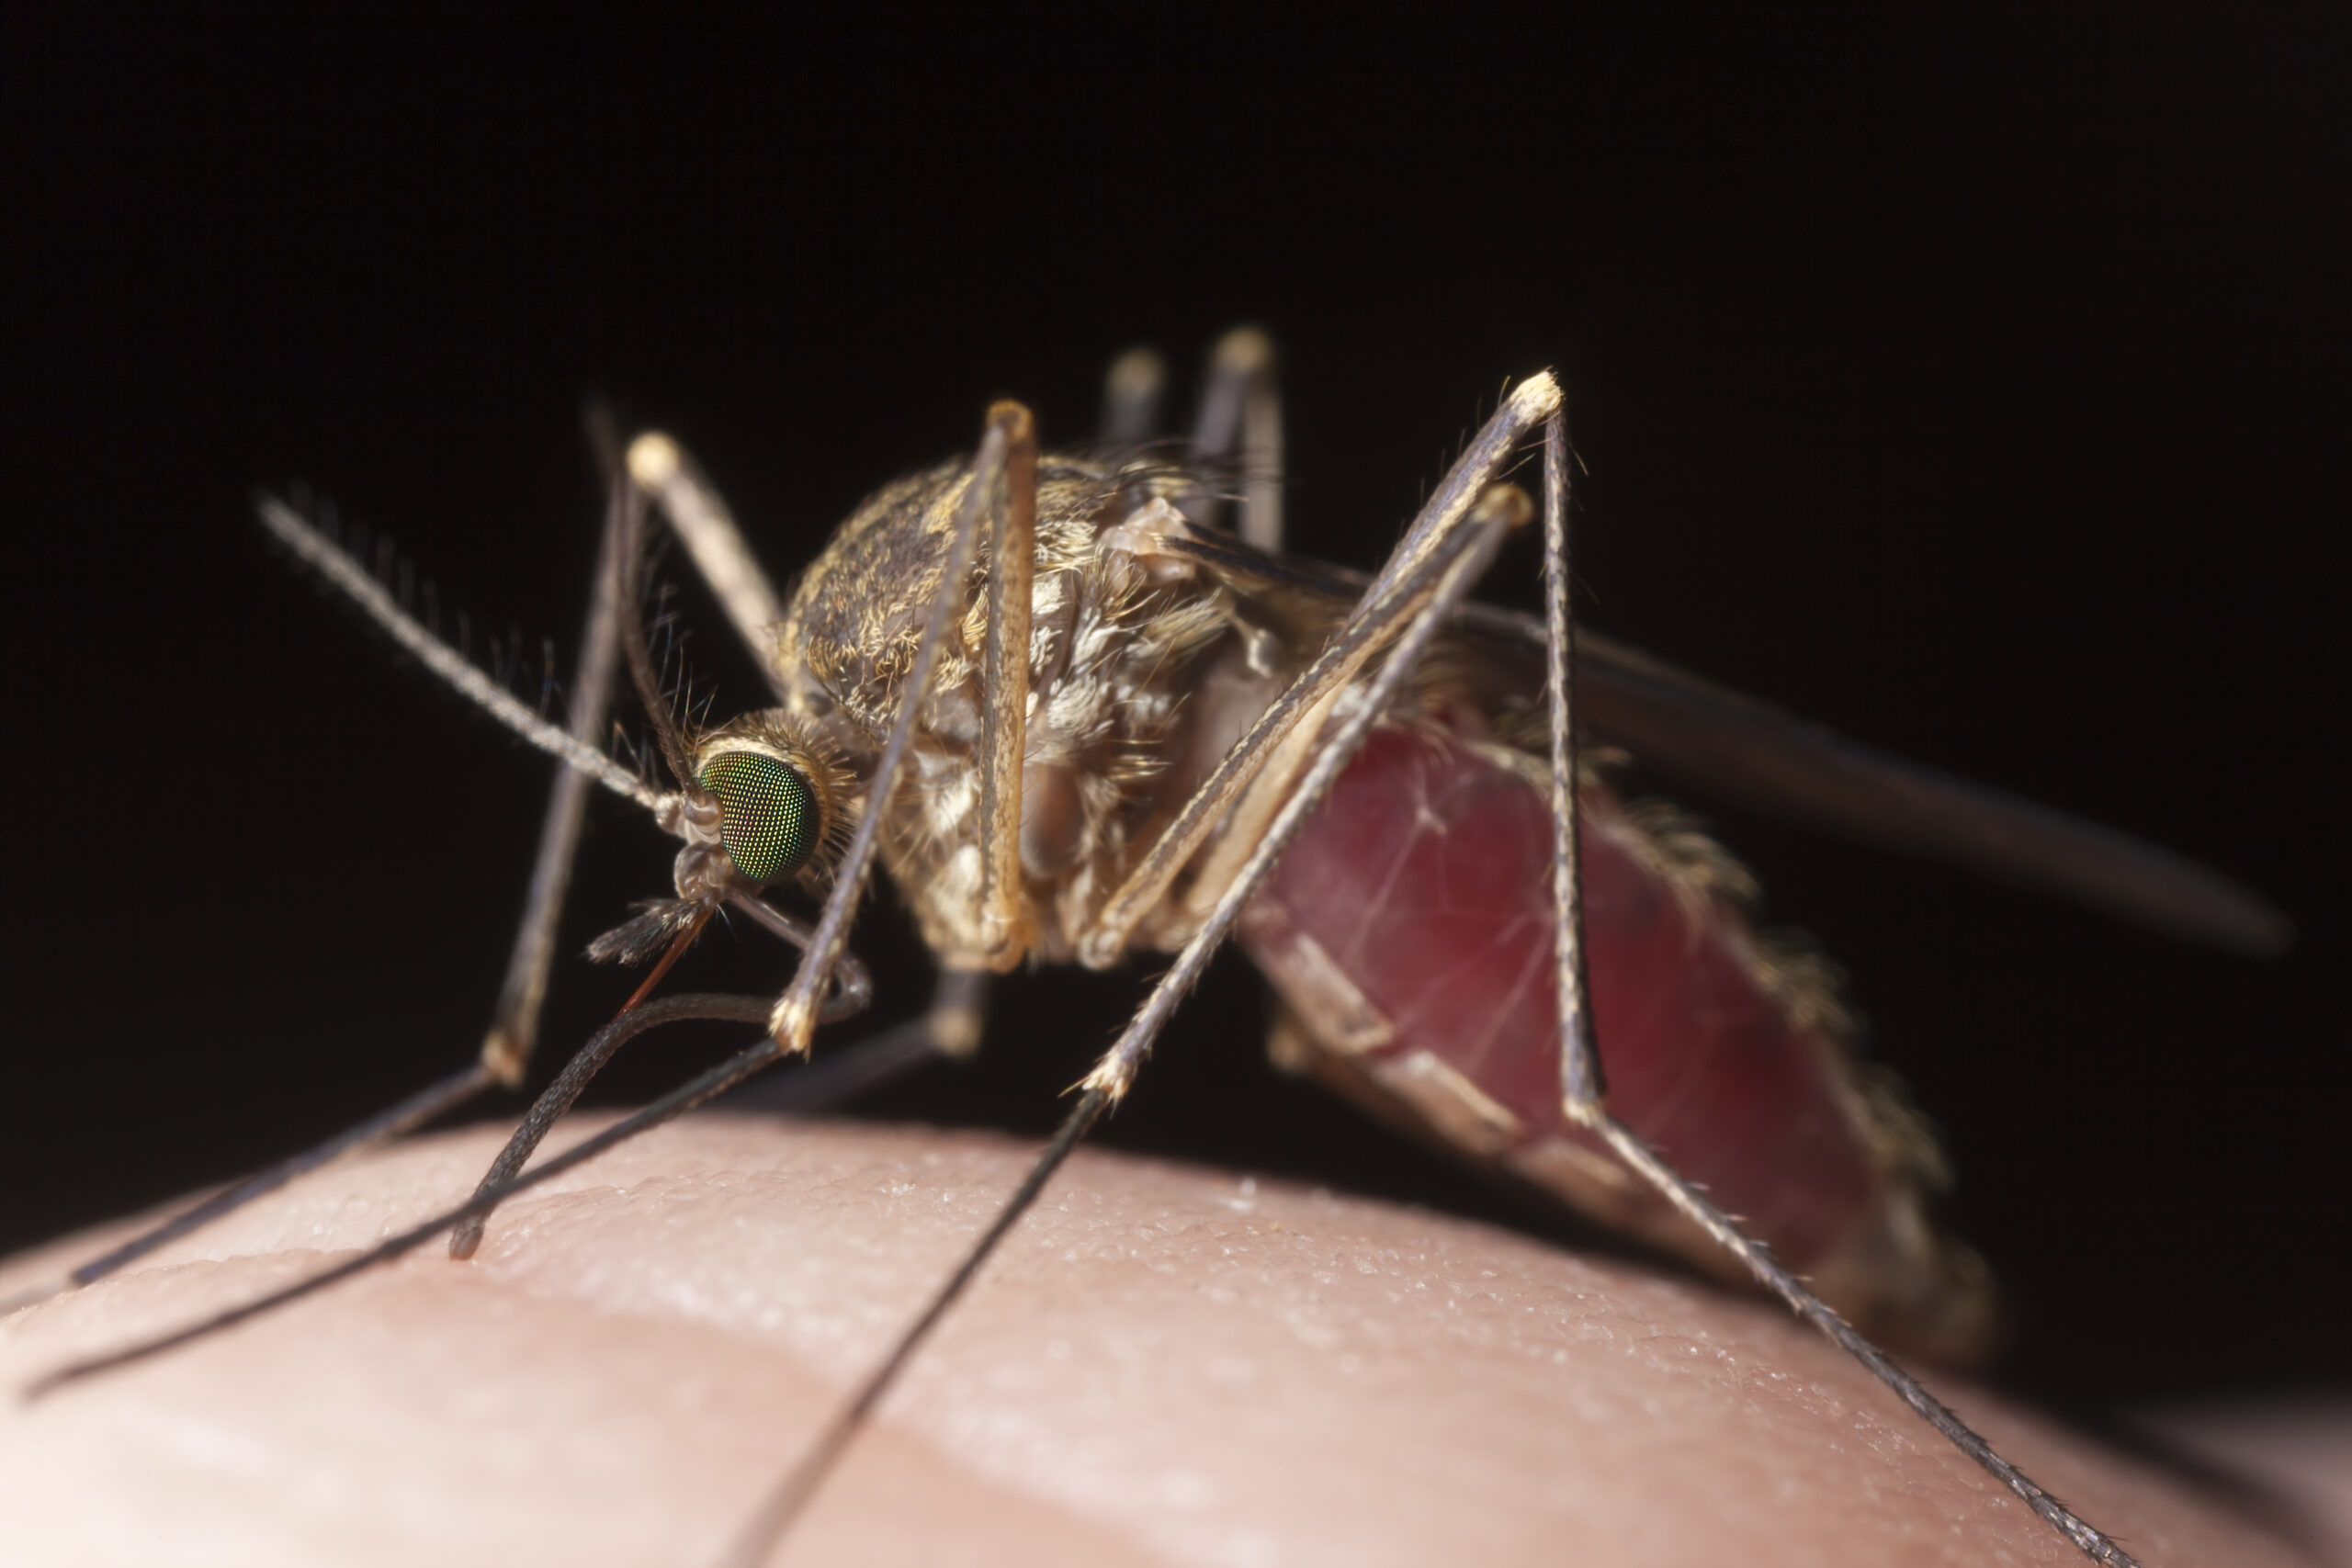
1244	351
653	459
1538	395
1135	376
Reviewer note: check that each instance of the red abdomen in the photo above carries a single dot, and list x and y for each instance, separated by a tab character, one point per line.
1409	926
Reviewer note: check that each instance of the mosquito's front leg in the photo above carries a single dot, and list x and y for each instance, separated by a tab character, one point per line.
508	1043
952	1026
722	555
1008	446
1003	495
1004	687
1004	487
953	1022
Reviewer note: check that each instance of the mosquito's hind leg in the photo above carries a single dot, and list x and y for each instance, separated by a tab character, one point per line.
1584	1089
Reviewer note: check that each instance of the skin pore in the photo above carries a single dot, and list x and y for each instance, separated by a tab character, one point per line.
1163	1365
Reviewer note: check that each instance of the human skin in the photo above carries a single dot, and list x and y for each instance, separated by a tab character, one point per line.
1162	1365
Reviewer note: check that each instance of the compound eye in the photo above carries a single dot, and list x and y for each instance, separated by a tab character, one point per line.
767	812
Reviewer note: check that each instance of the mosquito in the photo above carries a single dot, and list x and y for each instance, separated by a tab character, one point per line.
1076	718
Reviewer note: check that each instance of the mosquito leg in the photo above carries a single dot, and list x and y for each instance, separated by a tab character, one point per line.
951	1029
1131	392
696	1091
852	989
1444	577
1004	687
794	1021
791	1020
547	1111
1584	1090
701	518
1580	1078
720	552
757	1539
515	1025
514	1021
506	1050
825	951
661	469
865	1065
405	1117
1334	667
724	558
1423	599
1241	402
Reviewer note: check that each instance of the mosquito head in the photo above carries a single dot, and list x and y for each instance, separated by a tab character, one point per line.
761	803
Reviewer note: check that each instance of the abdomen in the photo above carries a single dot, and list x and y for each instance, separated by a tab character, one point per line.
1409	929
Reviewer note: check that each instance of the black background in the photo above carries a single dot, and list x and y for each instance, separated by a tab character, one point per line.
1975	385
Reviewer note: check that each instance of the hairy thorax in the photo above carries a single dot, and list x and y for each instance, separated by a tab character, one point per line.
1137	681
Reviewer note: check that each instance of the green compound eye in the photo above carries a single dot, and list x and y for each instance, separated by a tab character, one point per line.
767	812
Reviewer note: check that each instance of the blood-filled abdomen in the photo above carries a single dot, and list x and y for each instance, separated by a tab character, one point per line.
1409	928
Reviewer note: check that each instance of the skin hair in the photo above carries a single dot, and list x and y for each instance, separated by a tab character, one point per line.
1164	1365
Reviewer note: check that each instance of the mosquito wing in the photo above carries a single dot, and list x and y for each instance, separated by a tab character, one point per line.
1748	753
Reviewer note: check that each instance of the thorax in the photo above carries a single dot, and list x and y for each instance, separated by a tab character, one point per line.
1137	682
